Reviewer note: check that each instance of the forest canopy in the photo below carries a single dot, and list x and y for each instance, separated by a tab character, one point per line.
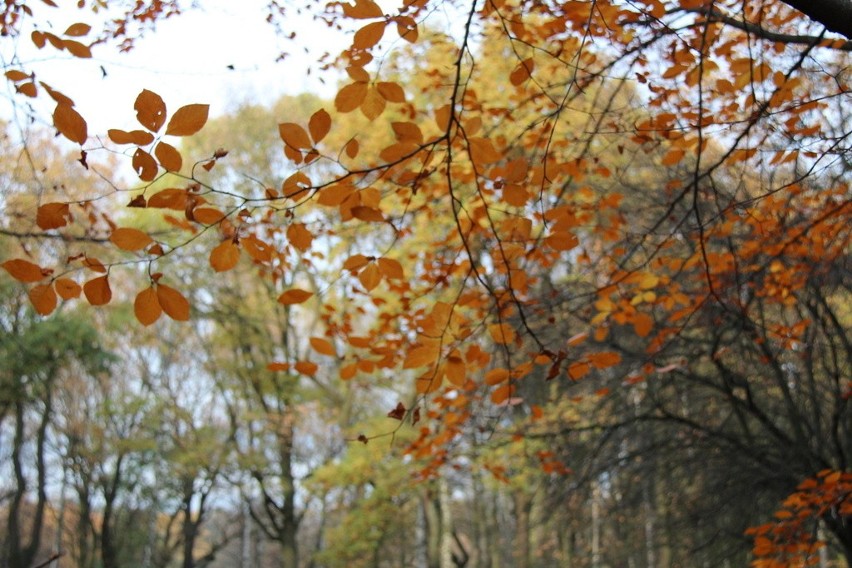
540	284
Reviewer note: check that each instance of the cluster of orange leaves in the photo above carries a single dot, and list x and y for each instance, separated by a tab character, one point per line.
791	540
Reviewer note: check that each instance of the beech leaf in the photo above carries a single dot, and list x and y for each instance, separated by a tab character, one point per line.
188	120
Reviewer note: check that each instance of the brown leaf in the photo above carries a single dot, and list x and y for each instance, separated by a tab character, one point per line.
77	49
43	299
70	124
188	120
322	346
397	413
67	288
169	157
369	35
23	270
299	236
138	137
147	306
350	97
97	291
294	296
391	92
144	165
52	216
78	30
374	104
150	110
171	198
391	268
173	303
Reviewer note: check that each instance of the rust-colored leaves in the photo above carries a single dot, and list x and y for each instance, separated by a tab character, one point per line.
70	123
188	120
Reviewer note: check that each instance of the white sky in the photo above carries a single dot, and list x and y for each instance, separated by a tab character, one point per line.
185	60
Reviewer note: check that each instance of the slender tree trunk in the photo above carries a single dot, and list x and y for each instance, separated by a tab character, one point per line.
523	503
446	523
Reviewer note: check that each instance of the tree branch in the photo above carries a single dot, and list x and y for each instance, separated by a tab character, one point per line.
835	15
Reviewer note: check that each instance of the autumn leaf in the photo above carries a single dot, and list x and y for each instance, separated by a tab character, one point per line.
78	30
502	393
421	356
319	125
168	156
299	236
146	307
173	303
390	268
43	298
306	368
501	333
322	346
23	270
294	136
187	120
70	124
370	276
350	97
67	289
150	110
482	151
97	291
52	216
138	137
144	165
130	239
391	92
225	256
294	296
373	104
369	35
522	72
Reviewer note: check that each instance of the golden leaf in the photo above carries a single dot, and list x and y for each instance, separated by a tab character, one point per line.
502	393
188	120
501	333
319	125
370	276
350	97
294	136
374	104
369	35
171	198
391	268
497	376
422	356
391	92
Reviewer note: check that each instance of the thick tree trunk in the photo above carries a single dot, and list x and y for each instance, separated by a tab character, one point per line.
835	15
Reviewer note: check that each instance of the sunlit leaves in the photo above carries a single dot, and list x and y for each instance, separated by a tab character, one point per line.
370	276
501	333
369	35
350	97
319	125
522	72
187	120
299	236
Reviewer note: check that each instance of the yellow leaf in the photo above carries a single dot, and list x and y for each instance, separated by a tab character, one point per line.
306	368
169	157
322	346
43	299
130	239
224	256
97	291
173	303
138	137
294	136
369	35
350	97
391	269
67	288
294	296
482	151
150	110
23	270
147	306
319	125
70	124
422	356
299	236
370	276
374	104
501	333
53	216
188	120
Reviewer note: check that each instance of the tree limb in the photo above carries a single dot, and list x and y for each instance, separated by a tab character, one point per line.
835	15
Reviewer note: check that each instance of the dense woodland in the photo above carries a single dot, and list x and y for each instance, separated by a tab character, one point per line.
545	284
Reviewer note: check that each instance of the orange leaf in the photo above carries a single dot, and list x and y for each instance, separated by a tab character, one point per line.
225	256
422	356
350	97
522	72
97	291
369	35
150	110
391	268
368	214
43	298
138	137
306	368
147	306
67	288
348	371
171	198
352	148
319	125
173	303
23	270
294	296
501	333
130	239
482	151
355	262
370	276
53	216
406	27
188	120
605	359
562	241
169	157
407	132
455	370
144	165
391	92
299	236
643	324
322	346
78	30
77	49
70	124
363	9
278	367
207	215
502	393
428	383
294	136
496	376
578	370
